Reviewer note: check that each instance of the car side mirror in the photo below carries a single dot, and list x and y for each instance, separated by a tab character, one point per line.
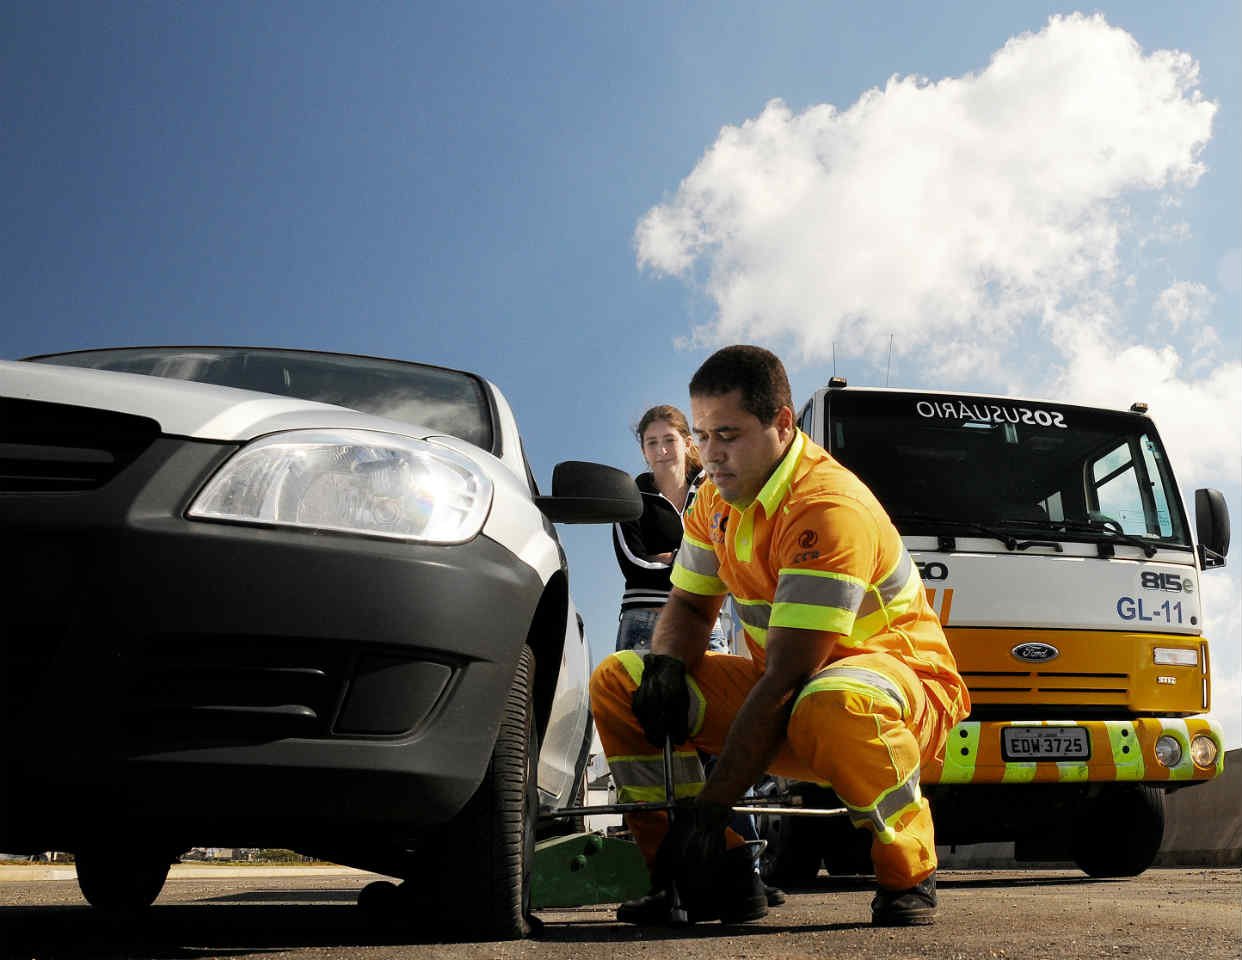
1212	527
591	493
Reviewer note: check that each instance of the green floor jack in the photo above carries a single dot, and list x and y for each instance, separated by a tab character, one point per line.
587	868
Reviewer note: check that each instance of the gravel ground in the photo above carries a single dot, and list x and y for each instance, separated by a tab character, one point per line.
1059	915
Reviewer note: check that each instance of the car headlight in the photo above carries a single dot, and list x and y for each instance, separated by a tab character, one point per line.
351	481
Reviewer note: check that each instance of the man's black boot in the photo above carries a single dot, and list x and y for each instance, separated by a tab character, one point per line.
905	908
733	894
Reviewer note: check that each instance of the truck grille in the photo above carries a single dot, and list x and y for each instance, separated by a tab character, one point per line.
1044	684
58	448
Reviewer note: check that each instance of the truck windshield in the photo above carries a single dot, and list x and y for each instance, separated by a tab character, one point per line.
415	393
1010	465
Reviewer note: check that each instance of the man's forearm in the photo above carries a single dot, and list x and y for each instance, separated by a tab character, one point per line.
754	739
682	631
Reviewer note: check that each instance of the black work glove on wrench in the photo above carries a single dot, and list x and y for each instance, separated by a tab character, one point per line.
691	853
661	703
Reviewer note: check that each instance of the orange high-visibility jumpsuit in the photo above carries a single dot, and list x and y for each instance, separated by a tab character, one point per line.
814	551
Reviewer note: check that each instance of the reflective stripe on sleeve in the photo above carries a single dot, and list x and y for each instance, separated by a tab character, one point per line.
693	582
821	587
754	615
698	557
892	585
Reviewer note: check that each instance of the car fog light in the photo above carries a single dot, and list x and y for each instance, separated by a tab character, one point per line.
1203	751
1169	751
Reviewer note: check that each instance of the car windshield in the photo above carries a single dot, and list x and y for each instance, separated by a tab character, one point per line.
442	400
939	462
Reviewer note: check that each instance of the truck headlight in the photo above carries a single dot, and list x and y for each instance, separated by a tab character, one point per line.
1203	751
1168	751
351	481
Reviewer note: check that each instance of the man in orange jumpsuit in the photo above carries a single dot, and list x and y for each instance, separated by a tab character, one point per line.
850	681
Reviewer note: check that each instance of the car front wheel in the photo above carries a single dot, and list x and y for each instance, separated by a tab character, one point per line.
120	880
484	856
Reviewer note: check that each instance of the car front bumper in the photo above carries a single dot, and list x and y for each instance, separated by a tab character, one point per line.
259	684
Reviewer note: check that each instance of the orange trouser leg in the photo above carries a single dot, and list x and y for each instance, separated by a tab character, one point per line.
717	688
864	724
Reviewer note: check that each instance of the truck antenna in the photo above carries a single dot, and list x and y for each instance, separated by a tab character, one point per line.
890	359
834	358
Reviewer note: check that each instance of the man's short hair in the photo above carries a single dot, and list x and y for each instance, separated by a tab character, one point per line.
758	373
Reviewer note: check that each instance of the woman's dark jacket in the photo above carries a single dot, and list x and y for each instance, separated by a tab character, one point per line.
657	531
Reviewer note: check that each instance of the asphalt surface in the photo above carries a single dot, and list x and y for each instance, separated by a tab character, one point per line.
1005	914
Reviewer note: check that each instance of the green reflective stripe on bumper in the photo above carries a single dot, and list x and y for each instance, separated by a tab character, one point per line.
961	751
1127	751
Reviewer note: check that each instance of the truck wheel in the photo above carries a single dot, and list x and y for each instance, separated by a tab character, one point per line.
847	850
120	880
483	864
1120	832
794	848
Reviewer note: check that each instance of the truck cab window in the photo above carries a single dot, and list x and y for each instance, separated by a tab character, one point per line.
1130	489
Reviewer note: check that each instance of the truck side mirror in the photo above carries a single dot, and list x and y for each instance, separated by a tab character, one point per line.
591	493
1212	527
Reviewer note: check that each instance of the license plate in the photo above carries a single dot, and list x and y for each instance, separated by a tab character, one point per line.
1045	743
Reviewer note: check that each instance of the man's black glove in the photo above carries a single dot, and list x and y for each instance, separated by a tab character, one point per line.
662	701
692	852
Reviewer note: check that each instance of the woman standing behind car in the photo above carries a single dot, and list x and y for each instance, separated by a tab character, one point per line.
646	547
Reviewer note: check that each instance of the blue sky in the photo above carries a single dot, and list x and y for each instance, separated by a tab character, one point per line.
580	201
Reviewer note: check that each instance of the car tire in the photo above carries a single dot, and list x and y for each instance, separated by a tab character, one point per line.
120	880
1119	832
484	861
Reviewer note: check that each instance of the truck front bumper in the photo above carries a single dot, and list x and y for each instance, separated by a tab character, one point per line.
1117	751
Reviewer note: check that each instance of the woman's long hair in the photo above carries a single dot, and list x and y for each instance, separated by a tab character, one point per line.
666	411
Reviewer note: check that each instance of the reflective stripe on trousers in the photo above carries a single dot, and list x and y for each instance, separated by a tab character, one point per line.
856	722
863	726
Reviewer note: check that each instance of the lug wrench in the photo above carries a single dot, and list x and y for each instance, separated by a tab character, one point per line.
677	914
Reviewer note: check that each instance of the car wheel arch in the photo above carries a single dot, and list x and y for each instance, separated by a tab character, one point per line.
546	638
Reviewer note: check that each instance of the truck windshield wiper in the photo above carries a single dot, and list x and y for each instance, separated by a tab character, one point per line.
1101	531
1011	543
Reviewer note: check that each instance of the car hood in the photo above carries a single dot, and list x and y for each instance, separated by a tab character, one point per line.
184	408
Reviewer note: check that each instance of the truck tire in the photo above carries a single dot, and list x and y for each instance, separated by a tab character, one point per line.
120	880
483	863
847	850
795	845
1120	831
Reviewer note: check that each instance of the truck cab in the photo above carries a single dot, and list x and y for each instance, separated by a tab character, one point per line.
1053	542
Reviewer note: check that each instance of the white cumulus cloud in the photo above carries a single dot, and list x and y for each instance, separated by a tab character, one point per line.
938	211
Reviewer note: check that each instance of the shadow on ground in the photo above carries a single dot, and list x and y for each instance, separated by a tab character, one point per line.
257	922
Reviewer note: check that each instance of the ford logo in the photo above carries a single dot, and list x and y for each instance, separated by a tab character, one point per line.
1035	652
